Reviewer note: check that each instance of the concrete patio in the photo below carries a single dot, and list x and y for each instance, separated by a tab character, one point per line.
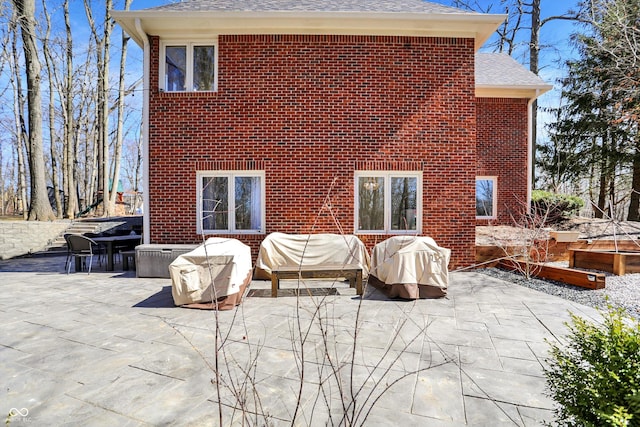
110	349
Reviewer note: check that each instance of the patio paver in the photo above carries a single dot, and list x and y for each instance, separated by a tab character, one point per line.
110	349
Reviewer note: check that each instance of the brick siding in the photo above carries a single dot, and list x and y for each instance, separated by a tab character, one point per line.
310	110
502	152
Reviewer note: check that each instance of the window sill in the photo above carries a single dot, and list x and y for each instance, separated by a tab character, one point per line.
162	92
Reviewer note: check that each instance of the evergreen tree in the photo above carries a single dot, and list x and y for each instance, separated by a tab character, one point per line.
595	137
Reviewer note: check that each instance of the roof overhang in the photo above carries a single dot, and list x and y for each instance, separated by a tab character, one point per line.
202	24
522	91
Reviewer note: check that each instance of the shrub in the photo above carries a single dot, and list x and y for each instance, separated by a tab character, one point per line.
555	207
595	378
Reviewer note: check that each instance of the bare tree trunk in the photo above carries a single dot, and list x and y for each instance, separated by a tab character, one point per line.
70	152
602	195
611	211
102	187
534	61
39	208
22	175
22	178
83	135
634	205
103	99
591	188
51	73
103	56
91	174
611	170
138	174
510	30
21	131
115	177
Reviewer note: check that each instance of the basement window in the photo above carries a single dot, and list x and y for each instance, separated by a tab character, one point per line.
388	202
486	200
189	67
231	202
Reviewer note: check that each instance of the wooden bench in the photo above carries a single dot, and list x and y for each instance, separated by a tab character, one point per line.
352	272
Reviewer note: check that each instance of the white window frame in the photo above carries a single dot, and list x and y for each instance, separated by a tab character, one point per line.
494	196
189	44
231	175
387	175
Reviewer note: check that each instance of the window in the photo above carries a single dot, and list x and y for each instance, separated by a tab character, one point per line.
486	197
189	67
388	202
231	202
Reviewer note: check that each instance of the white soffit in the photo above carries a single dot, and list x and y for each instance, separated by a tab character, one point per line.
528	92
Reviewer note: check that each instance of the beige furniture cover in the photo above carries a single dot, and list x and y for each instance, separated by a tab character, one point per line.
293	250
225	263
410	267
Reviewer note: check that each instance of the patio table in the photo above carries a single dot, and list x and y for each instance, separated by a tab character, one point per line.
109	242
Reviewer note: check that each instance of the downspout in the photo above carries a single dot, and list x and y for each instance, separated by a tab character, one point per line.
146	226
530	143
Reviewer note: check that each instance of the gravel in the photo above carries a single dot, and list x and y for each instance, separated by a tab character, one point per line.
619	291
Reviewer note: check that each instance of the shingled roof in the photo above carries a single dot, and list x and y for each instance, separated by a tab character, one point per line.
499	71
386	6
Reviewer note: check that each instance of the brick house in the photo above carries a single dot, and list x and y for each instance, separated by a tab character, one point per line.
371	118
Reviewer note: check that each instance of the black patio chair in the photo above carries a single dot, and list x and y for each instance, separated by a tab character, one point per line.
83	247
66	261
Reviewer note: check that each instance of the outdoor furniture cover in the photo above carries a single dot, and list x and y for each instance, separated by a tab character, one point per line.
410	267
219	270
293	250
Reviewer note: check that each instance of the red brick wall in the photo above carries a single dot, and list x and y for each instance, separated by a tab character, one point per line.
502	152
309	111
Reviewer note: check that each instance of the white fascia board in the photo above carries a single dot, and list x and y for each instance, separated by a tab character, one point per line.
202	24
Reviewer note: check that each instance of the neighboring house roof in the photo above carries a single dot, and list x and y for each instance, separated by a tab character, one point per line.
499	75
206	18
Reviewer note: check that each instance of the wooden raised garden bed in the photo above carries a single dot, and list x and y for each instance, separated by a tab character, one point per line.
569	276
618	257
619	263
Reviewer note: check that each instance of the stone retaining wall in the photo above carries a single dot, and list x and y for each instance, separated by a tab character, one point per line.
24	237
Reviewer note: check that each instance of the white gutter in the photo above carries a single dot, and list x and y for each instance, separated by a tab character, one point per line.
146	223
